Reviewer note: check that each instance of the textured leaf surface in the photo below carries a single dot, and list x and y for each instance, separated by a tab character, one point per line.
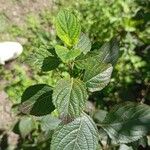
91	58
37	100
108	53
26	125
127	123
67	27
65	54
43	60
84	44
81	134
70	96
97	76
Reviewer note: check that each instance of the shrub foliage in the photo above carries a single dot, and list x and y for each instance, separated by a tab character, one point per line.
61	109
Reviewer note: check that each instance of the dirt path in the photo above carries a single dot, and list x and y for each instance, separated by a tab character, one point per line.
7	120
16	10
6	117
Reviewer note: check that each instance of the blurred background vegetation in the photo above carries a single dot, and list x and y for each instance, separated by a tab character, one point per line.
31	23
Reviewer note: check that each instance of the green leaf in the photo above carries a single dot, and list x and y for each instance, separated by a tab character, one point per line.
37	100
97	76
67	27
65	54
62	51
84	44
49	122
43	60
73	53
128	122
69	97
91	58
110	51
80	134
26	125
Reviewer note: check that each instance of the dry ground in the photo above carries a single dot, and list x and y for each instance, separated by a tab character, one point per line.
16	10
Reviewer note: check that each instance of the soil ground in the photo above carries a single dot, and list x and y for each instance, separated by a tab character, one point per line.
16	10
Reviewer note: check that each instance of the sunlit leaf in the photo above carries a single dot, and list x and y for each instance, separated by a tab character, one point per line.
97	76
80	134
65	54
69	96
84	44
67	27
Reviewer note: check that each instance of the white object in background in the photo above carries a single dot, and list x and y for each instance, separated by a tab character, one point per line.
9	51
